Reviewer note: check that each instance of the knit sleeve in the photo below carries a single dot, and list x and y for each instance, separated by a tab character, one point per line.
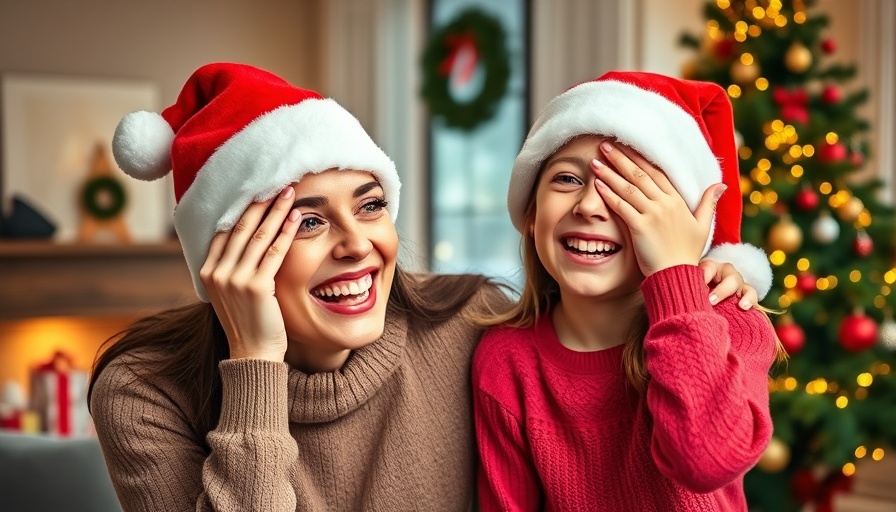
506	475
157	463
708	393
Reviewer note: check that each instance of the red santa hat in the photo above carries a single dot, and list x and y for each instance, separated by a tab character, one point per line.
686	128
237	135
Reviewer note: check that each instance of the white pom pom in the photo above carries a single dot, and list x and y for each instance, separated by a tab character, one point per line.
750	261
142	145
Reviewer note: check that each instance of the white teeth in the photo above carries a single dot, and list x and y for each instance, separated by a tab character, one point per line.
357	287
590	246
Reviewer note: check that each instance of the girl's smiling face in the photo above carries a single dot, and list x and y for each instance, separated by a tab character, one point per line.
580	241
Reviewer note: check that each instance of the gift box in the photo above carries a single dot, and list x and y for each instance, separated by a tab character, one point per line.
59	397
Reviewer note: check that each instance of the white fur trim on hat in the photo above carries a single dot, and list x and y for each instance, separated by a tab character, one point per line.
656	127
256	163
750	261
142	145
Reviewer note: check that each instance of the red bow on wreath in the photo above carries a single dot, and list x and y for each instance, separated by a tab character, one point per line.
794	104
463	52
806	488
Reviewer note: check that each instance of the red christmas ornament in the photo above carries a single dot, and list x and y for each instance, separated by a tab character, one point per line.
804	485
806	199
724	49
805	283
828	46
856	158
863	244
794	104
858	332
791	335
831	95
831	153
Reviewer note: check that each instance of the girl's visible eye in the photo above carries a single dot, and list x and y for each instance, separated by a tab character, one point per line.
567	179
374	205
309	224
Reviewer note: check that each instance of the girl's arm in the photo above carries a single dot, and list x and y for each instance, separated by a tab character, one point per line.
157	463
506	476
708	393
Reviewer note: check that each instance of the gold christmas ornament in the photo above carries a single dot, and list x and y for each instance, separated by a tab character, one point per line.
775	457
744	74
798	58
785	236
851	209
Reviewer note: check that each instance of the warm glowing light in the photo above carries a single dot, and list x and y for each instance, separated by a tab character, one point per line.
880	302
890	276
790	281
790	383
740	26
831	138
802	264
756	197
777	257
822	283
824	188
784	301
861	394
789	131
740	37
796	171
761	83
746	59
849	469
754	30
842	402
764	164
795	151
744	152
885	290
723	4
734	91
855	276
777	125
799	17
861	451
877	454
864	379
808	150
832	281
864	219
780	20
758	12
883	369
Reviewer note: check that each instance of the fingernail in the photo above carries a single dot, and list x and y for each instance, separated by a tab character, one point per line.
713	299
599	183
294	215
744	304
287	193
719	191
606	146
596	163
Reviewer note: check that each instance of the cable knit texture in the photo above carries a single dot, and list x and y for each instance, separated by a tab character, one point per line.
391	430
560	430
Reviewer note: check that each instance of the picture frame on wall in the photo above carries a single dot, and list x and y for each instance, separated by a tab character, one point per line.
56	132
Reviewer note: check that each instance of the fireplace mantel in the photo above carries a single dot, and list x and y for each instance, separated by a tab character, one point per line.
40	279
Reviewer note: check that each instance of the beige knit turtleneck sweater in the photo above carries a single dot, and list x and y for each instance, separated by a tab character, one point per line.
390	431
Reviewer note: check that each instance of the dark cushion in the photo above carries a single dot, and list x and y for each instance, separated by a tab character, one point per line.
46	473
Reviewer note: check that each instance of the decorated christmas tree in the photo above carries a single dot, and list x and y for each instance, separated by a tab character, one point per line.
829	236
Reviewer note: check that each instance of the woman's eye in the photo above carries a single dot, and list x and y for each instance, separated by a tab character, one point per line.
374	205
310	224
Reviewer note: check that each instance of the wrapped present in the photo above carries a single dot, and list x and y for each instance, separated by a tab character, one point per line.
12	406
59	397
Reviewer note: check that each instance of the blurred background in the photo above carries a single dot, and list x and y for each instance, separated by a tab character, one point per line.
449	89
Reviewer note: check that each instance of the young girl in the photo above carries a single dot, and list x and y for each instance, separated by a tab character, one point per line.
615	383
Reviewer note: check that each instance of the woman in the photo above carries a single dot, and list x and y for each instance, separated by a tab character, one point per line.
315	374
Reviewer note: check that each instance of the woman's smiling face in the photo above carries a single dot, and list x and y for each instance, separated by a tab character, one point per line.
334	284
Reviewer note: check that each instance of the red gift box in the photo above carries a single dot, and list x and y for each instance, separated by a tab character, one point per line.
59	396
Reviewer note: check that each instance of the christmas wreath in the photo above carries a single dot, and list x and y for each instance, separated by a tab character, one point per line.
466	68
103	197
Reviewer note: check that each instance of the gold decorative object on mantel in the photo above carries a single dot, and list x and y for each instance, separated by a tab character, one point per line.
102	200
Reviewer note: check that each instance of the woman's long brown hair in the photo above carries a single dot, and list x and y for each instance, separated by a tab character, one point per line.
184	345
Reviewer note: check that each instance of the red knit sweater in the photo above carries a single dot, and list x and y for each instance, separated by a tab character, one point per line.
563	430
